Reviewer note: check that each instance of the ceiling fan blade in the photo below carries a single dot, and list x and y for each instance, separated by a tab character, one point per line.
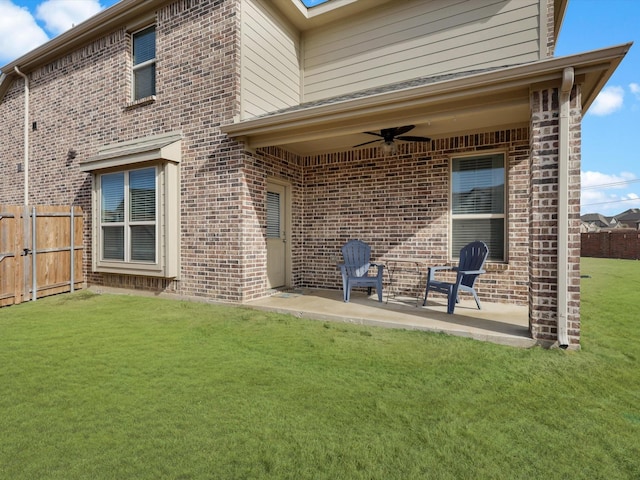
365	143
401	130
414	139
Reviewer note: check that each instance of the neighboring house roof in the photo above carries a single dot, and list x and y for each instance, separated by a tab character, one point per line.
595	219
629	217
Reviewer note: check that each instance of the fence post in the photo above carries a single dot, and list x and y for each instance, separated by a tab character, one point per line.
34	276
26	248
72	250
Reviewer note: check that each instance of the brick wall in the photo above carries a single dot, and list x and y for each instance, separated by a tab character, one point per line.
81	101
615	244
550	28
400	206
543	258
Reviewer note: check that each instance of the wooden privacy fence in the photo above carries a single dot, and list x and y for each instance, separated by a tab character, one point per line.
40	251
611	244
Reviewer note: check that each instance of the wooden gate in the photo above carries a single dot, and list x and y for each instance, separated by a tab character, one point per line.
40	252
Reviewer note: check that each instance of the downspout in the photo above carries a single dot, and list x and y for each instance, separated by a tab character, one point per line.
26	135
563	206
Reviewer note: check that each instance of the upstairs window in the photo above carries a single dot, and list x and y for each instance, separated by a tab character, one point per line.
144	63
478	204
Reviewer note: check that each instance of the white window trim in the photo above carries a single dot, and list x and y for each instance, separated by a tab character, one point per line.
164	153
453	256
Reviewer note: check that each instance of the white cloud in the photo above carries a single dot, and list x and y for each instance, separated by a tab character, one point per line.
601	192
635	89
60	15
608	101
604	180
19	32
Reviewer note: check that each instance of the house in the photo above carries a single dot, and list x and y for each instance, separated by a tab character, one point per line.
630	218
265	134
594	222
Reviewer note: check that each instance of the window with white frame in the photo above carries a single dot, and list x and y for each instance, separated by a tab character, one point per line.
136	206
144	63
478	203
128	215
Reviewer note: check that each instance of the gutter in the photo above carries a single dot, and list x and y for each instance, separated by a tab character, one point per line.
26	135
564	135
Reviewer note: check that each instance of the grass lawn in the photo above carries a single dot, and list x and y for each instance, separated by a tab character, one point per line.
124	387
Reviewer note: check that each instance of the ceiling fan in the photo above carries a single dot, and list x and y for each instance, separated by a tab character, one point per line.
388	135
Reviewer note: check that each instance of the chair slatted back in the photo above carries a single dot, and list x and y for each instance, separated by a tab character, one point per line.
356	255
472	257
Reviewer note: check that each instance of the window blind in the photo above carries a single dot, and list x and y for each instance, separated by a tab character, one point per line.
273	215
144	66
478	185
142	192
112	187
145	81
143	243
487	230
144	45
113	242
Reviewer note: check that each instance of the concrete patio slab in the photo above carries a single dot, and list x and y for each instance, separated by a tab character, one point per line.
498	323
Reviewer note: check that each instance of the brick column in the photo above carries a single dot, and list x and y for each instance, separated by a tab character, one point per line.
543	238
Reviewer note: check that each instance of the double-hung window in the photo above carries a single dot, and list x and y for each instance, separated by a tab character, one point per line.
478	203
144	63
128	215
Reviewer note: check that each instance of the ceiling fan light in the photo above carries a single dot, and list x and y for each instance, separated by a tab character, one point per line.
389	147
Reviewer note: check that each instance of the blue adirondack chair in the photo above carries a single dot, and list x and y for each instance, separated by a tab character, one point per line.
472	258
355	269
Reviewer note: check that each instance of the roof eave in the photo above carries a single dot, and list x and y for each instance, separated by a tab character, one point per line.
559	10
97	25
601	63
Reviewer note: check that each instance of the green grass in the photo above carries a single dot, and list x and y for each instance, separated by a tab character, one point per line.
124	387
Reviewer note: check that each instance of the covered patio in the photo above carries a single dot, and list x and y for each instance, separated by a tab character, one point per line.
519	126
504	324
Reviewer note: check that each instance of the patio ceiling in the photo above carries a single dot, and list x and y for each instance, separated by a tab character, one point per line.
476	102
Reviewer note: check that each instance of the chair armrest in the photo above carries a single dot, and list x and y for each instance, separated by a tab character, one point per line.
471	272
435	269
380	267
431	271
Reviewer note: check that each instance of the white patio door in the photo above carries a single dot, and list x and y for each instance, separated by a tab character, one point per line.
276	235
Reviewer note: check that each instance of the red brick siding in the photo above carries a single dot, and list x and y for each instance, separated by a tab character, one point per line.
549	28
544	212
400	206
82	102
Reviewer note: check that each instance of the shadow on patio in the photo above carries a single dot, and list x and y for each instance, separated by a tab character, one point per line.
497	323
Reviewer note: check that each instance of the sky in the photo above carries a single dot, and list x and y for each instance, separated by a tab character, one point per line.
610	156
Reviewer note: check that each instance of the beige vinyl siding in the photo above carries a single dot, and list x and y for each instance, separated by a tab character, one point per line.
412	39
270	66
